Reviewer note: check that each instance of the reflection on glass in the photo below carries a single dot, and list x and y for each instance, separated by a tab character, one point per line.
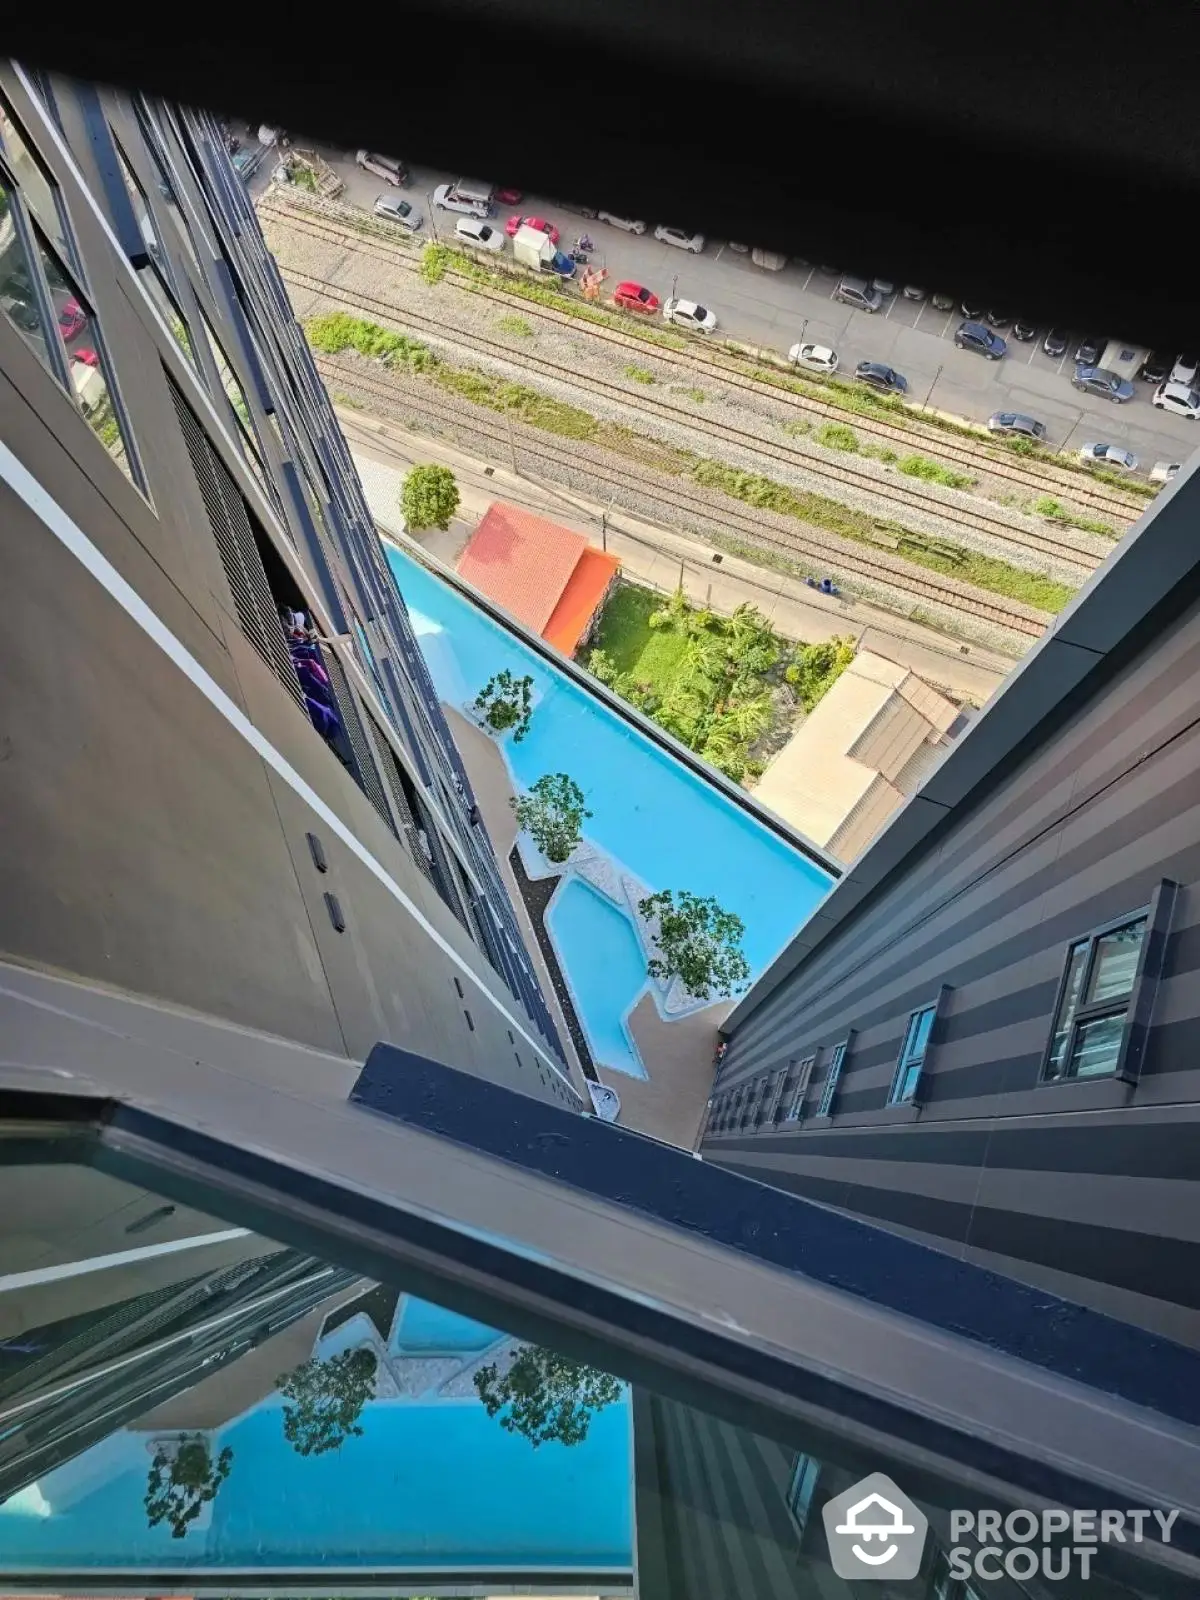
169	312
40	194
1115	964
85	355
18	299
187	1399
166	190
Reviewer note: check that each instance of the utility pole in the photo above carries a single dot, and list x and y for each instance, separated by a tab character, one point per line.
512	444
932	386
604	515
432	219
1070	435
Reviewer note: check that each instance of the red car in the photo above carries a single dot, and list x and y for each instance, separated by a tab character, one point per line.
633	297
88	357
72	319
540	223
509	197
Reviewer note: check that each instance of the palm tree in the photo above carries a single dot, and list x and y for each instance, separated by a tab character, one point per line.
749	719
671	615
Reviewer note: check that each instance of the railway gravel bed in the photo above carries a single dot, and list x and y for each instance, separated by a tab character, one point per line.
658	496
563	365
297	231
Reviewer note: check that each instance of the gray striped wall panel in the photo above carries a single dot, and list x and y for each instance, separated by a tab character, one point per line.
995	1164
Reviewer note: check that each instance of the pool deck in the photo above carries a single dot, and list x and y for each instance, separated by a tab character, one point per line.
678	1055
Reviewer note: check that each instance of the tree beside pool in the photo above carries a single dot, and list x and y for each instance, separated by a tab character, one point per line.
696	941
553	813
506	701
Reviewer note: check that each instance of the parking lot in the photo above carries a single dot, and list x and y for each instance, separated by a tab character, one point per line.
775	309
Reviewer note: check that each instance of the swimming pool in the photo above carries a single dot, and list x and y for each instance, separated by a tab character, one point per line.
605	966
659	820
423	1328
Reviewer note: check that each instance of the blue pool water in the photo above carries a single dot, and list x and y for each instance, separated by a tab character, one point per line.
425	1328
429	1484
606	966
667	826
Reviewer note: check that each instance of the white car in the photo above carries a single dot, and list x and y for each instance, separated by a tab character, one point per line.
690	315
1164	471
816	357
1180	398
445	198
626	224
480	234
1108	455
1185	371
396	210
681	239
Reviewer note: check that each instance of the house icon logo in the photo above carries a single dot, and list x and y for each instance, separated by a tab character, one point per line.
874	1531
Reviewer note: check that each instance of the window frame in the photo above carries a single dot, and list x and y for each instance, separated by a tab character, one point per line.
903	1065
801	1491
1137	1005
804	1070
833	1075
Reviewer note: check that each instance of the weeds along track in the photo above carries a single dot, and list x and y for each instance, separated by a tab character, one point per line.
795	543
1028	548
1032	475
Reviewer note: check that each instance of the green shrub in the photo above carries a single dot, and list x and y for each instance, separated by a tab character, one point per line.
888	457
935	472
1047	506
696	395
640	374
435	260
800	428
515	325
815	668
837	436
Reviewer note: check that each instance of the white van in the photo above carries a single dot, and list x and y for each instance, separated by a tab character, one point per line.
472	198
385	167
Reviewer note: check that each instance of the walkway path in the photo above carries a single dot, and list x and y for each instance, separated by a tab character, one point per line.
662	558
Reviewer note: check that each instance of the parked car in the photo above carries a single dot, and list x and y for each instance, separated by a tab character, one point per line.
1088	351
385	167
999	319
739	249
883	286
1016	422
816	357
690	315
1108	455
1024	331
973	310
396	210
974	336
880	376
1164	471
1055	342
470	202
72	318
1185	370
518	221
626	224
634	297
681	238
473	231
1095	380
1178	398
589	212
858	292
942	302
512	197
1155	368
913	291
561	265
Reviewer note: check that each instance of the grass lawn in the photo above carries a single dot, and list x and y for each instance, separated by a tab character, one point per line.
649	655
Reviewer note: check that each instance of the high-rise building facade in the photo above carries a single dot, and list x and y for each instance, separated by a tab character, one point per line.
986	1036
228	782
240	858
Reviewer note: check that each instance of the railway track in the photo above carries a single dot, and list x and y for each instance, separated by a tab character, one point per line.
970	520
798	543
1031	474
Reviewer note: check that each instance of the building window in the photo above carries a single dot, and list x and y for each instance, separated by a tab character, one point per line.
39	193
18	293
800	1490
795	1110
1094	1001
833	1073
912	1055
775	1097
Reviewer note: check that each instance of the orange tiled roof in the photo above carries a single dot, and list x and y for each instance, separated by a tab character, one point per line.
521	561
585	589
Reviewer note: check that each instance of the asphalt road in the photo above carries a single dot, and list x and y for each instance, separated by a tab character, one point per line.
775	309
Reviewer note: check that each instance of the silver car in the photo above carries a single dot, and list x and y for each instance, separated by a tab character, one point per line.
396	210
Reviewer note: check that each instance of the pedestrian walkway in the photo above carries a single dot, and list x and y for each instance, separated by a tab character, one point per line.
664	559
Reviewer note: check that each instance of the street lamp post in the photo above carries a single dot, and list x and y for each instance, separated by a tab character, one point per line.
932	387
